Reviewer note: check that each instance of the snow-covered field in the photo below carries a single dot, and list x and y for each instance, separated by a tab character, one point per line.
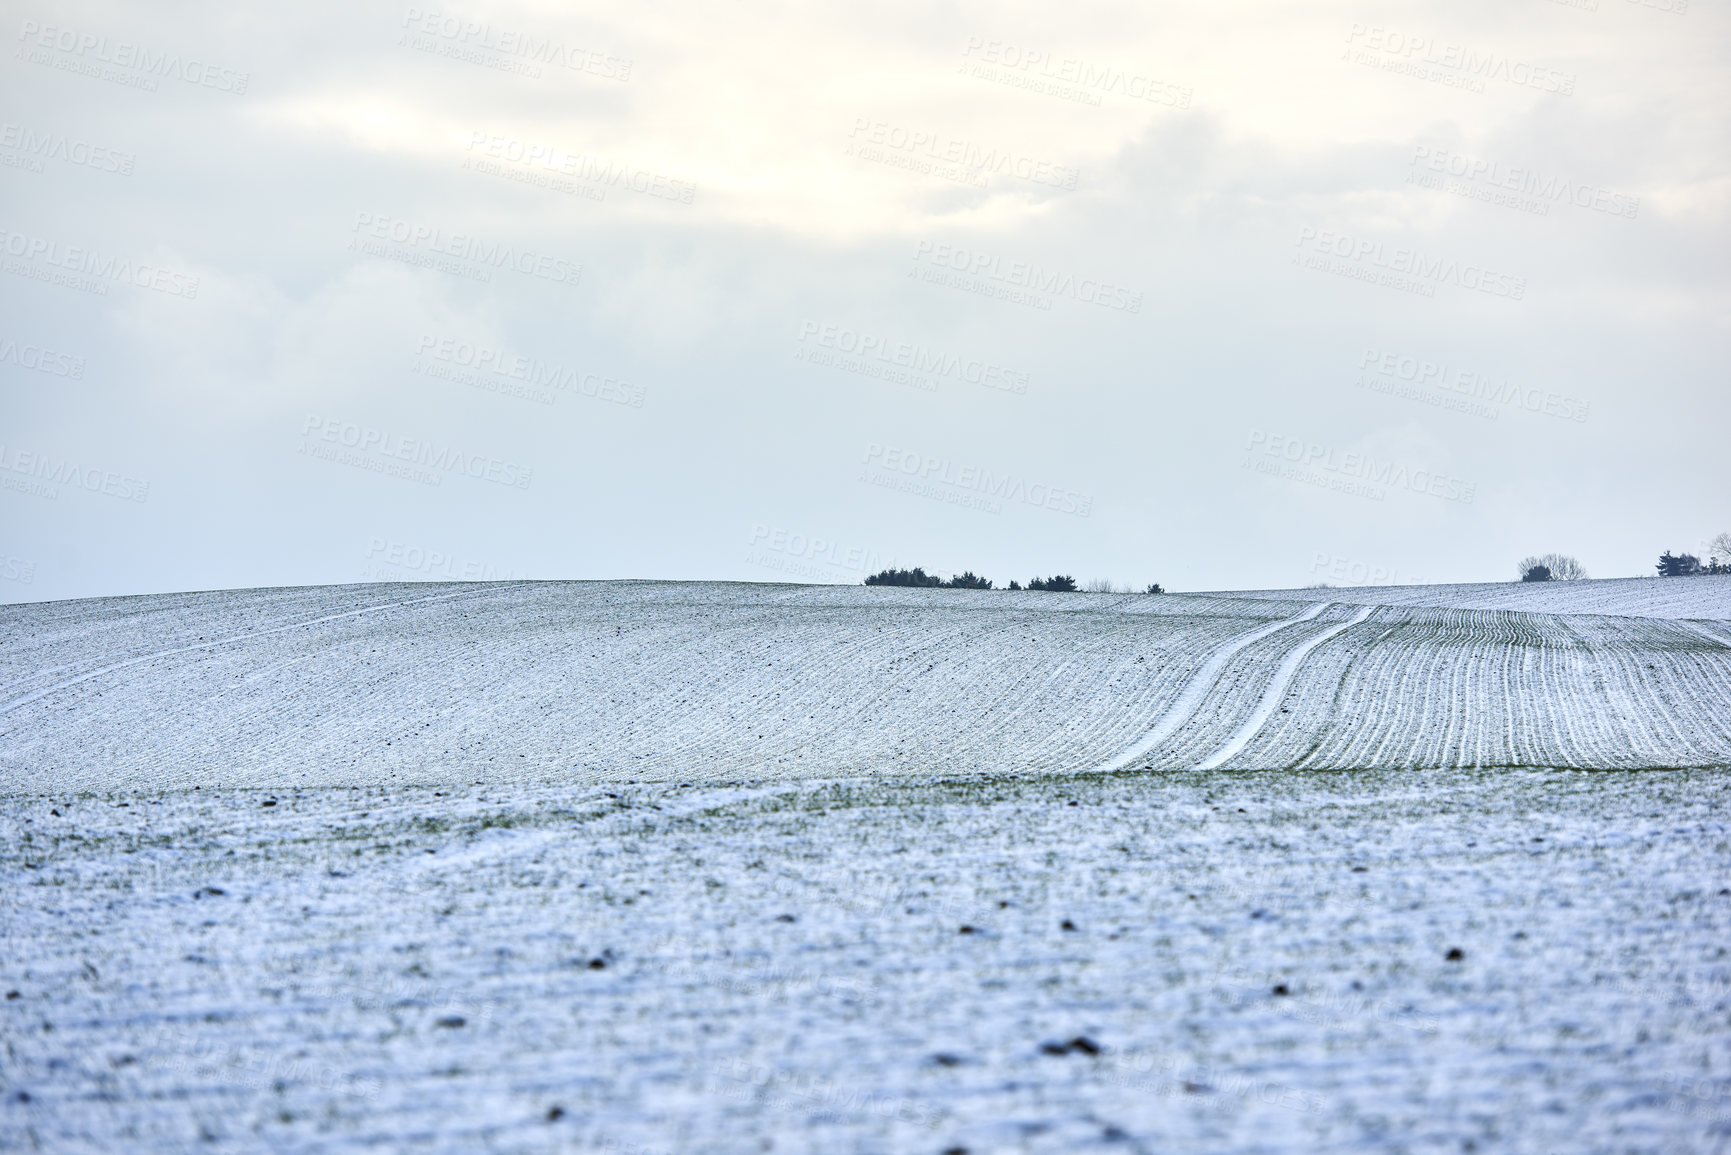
668	867
590	682
787	964
1643	597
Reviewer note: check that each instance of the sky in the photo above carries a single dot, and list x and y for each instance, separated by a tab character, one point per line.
1224	295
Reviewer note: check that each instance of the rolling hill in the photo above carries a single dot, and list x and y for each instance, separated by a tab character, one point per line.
648	681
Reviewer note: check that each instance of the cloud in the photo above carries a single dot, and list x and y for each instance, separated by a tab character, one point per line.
1124	207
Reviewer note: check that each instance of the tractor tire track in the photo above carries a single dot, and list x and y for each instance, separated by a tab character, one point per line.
1277	687
1197	690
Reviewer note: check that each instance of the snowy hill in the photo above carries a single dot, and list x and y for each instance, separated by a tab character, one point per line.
1642	597
585	681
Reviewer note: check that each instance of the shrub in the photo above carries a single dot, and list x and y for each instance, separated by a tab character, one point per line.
903	577
1557	567
919	577
1058	583
1682	565
1154	588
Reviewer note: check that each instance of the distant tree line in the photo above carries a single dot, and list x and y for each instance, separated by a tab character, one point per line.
1557	567
1688	565
968	580
904	577
919	577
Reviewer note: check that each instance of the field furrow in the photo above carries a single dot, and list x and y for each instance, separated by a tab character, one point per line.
547	682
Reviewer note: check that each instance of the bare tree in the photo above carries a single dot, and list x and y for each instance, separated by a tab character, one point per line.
1551	567
1719	549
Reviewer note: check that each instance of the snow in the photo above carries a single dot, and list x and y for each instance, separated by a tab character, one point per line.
300	1008
537	682
1704	596
1275	691
670	867
1197	689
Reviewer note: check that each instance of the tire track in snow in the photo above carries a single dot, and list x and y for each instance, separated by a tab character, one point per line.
1277	687
1200	684
15	703
586	682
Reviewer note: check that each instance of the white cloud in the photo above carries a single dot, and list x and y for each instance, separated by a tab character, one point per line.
722	180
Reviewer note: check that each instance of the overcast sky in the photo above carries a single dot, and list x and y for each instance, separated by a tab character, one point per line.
1220	295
